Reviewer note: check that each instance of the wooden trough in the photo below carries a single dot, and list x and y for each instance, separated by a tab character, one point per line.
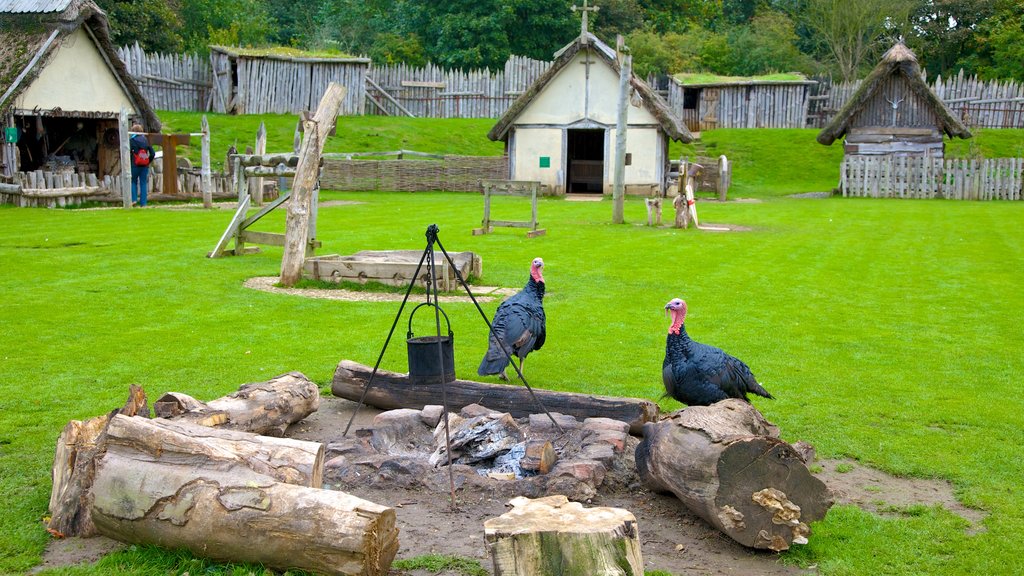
392	267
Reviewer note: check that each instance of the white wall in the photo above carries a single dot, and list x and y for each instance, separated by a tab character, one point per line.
530	145
565	99
76	79
645	145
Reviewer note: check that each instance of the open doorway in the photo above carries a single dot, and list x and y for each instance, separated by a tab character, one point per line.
585	149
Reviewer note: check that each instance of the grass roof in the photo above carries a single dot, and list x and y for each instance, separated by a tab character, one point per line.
703	78
286	53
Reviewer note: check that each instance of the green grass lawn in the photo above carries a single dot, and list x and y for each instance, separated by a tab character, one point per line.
889	332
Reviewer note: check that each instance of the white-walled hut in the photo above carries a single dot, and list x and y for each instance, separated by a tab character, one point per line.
284	80
894	113
561	130
62	88
707	101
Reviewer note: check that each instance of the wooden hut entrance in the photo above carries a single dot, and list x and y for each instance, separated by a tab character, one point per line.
60	143
585	161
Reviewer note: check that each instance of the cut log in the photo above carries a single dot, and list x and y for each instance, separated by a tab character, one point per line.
393	390
726	464
190	447
552	536
540	457
238	515
73	466
266	408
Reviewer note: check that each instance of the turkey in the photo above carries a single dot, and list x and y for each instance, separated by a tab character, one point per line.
698	374
519	324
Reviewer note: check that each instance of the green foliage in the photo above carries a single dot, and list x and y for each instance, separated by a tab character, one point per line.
1000	40
225	22
945	31
156	26
768	44
666	53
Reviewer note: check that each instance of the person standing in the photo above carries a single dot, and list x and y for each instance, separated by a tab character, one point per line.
141	157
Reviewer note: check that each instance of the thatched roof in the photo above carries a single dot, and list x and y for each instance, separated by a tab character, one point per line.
654	103
31	31
897	60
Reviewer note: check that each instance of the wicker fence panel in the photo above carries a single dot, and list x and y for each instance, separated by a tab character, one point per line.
453	173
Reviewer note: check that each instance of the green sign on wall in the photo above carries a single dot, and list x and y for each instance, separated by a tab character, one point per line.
545	161
10	134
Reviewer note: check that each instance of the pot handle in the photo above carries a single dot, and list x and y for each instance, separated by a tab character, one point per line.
408	334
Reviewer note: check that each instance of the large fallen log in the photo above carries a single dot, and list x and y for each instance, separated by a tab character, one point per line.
551	536
726	464
72	472
233	513
266	408
392	390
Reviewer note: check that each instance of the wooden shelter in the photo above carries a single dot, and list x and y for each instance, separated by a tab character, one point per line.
894	113
283	80
706	102
561	130
62	88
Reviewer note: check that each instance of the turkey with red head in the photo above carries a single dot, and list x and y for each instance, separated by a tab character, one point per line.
518	323
698	374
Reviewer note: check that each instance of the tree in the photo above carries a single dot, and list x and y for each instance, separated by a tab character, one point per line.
1000	40
156	26
946	31
537	28
852	29
224	22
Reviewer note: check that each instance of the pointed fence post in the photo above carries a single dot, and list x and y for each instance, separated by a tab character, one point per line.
261	149
618	186
207	177
126	166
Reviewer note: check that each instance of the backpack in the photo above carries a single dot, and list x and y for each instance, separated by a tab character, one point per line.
140	157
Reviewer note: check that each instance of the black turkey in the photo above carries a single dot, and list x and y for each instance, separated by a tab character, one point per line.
519	324
698	374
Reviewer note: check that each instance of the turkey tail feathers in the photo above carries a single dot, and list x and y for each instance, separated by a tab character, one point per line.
494	361
760	391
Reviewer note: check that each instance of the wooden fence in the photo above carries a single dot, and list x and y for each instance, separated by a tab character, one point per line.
745	105
58	189
917	177
451	173
978	104
433	92
170	81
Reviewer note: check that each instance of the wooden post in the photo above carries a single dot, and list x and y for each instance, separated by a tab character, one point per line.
261	149
207	178
170	164
239	175
723	177
126	167
618	192
306	175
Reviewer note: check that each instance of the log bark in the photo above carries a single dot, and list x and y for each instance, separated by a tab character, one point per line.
393	390
266	408
74	466
306	174
726	464
543	537
183	447
235	514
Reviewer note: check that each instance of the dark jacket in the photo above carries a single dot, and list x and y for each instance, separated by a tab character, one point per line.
139	142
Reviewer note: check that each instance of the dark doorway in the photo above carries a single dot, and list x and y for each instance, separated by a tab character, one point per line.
585	161
64	143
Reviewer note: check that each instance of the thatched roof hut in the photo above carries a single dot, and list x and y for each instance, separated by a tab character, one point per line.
708	101
651	101
31	35
894	112
62	88
559	131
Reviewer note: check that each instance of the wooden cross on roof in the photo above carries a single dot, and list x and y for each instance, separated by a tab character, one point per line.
583	24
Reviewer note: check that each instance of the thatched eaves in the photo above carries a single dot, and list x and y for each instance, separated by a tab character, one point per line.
897	60
650	100
31	31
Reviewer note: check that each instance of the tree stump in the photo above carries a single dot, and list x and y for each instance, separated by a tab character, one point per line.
726	464
552	536
266	408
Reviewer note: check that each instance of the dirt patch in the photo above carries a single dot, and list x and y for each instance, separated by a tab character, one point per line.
267	284
885	495
672	538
